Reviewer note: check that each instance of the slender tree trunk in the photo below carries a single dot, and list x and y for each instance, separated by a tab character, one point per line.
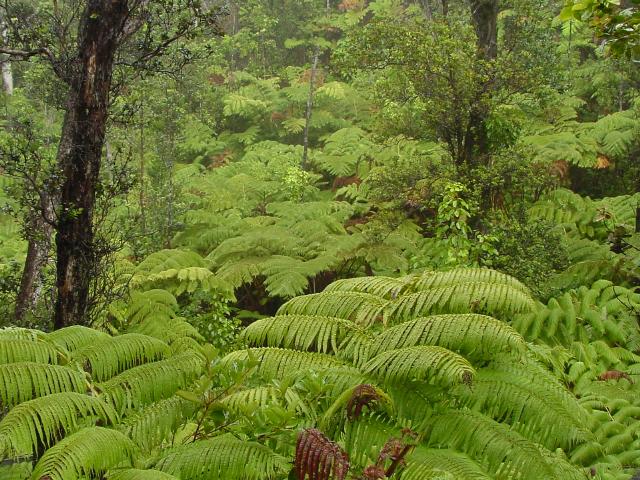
79	155
5	64
37	258
312	81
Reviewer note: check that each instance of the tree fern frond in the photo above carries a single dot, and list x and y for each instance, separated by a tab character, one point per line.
150	426
361	308
89	452
433	279
24	381
113	355
13	333
224	457
155	303
386	287
44	420
251	399
455	463
19	350
491	299
301	332
547	416
136	474
505	452
278	363
76	336
435	364
472	334
167	329
151	382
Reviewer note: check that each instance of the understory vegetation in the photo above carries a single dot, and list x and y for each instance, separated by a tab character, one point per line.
319	239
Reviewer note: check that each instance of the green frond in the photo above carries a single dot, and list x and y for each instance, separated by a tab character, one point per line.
89	452
361	308
301	332
75	337
251	399
135	474
151	382
151	304
455	463
287	277
167	329
279	363
434	364
386	287
224	457
546	415
19	350
492	299
169	259
150	426
44	420
113	355
471	334
505	453
364	438
433	279
24	381
13	333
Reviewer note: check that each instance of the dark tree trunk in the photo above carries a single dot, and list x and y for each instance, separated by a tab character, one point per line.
484	15
80	152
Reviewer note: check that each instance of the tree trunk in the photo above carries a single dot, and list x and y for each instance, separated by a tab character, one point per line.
79	155
312	81
37	258
5	64
484	15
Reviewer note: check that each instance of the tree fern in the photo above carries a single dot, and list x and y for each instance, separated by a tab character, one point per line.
362	308
494	299
89	452
429	363
42	421
430	280
505	452
150	426
151	382
279	363
18	350
113	355
136	474
24	381
74	337
455	463
302	332
475	335
224	457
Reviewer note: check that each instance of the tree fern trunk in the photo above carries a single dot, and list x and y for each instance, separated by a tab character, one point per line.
80	152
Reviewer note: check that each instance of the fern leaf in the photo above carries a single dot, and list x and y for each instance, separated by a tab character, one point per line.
301	332
279	363
89	452
361	308
505	453
24	381
150	426
44	420
75	337
136	474
151	382
19	350
475	335
386	287
492	299
429	280
457	464
224	457
113	355
430	363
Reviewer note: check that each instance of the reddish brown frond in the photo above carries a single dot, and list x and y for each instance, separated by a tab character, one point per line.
319	458
362	395
615	375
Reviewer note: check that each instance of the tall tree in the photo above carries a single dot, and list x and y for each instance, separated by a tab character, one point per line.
104	42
